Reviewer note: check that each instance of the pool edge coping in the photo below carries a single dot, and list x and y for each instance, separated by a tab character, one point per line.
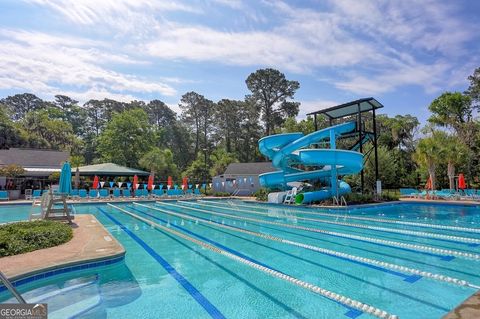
71	265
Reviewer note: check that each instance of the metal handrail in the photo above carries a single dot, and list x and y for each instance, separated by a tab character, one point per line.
10	288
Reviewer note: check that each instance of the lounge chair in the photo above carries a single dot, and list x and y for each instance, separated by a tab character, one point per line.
145	193
93	194
82	193
104	193
157	193
116	193
197	192
28	193
74	193
126	193
138	193
37	193
4	195
408	192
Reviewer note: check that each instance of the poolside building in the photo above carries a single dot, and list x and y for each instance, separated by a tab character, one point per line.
241	178
37	163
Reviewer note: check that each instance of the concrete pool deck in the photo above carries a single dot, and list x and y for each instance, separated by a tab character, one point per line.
90	242
469	309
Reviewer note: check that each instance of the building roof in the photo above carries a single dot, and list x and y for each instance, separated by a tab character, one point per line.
109	169
350	108
33	158
249	168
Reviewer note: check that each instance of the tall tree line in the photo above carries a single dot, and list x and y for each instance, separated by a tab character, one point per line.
142	134
206	136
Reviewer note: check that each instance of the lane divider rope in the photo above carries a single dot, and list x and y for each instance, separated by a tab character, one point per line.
383	229
380	220
440	251
370	261
303	284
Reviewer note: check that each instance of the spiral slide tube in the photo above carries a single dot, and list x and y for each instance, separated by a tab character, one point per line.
306	285
432	250
359	259
287	150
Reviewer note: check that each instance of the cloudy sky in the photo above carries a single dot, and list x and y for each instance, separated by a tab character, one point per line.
404	53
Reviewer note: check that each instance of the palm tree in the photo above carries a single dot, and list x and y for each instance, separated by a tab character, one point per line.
454	153
159	162
429	153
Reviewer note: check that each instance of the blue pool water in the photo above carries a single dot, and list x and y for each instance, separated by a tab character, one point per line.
174	272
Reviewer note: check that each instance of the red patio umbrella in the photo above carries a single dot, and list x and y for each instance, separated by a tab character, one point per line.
95	182
150	182
429	183
461	181
135	182
170	181
185	182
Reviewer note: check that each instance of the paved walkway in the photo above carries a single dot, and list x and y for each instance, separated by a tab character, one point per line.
469	309
90	242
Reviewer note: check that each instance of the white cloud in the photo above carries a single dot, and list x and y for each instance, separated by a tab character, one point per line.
44	63
364	47
314	105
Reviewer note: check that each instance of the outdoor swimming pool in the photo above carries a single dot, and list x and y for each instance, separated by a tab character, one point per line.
234	259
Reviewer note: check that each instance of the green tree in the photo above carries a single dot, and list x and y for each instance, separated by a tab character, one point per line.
429	154
454	153
228	119
220	159
160	114
247	143
126	138
198	171
20	104
397	132
10	135
197	113
473	90
72	113
388	171
270	91
306	126
41	128
159	162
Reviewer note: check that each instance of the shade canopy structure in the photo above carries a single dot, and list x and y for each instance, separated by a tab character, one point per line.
110	169
350	108
65	186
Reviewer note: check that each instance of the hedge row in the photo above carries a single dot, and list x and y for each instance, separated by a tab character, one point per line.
22	237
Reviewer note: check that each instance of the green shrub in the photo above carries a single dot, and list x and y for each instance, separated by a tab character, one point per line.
22	237
389	197
221	194
357	198
261	194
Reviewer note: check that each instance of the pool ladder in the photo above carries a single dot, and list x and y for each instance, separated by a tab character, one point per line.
339	201
10	288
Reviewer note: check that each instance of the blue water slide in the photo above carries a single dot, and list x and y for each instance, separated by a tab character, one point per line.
290	151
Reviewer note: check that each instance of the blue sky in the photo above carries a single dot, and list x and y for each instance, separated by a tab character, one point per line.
404	53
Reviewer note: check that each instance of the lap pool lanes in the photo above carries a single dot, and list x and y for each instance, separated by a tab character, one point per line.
234	290
416	242
384	288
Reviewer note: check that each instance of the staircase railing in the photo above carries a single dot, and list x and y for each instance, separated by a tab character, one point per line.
10	288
